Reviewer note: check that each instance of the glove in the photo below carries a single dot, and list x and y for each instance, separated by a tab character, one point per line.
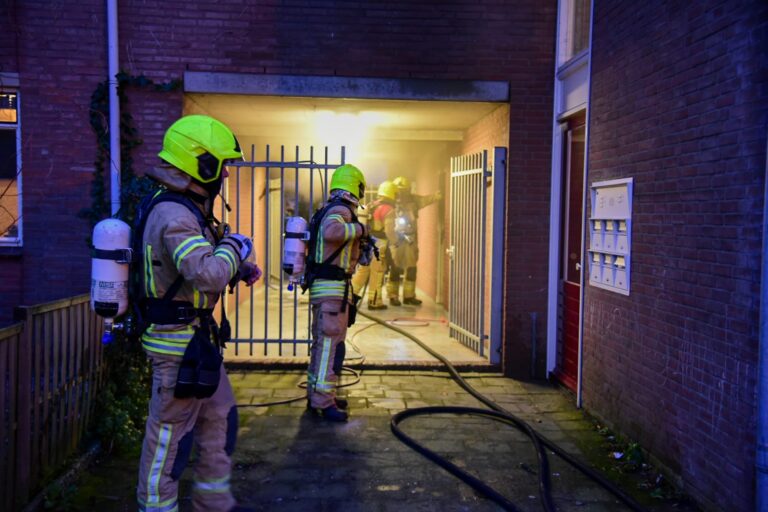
242	244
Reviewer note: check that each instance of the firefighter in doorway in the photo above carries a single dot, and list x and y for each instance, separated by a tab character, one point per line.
335	242
405	252
185	266
382	227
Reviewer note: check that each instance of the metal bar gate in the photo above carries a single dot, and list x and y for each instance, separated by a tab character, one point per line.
472	288
262	194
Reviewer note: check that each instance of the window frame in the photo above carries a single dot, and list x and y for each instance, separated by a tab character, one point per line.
565	42
18	240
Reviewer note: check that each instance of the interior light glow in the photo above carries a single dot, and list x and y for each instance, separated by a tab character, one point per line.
342	128
7	107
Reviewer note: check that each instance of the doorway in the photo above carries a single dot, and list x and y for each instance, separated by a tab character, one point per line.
571	250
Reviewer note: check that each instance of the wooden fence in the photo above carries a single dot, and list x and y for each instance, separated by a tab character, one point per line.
50	372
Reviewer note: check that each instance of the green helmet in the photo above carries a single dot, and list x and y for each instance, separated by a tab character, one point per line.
387	189
349	178
199	146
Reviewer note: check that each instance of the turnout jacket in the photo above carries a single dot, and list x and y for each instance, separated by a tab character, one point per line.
174	244
336	228
383	221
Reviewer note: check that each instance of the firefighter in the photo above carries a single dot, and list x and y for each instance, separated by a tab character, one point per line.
382	227
335	247
187	266
405	251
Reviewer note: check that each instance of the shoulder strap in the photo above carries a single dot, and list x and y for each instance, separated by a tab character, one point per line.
314	227
140	223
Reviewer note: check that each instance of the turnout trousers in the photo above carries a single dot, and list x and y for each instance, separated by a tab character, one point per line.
329	328
405	258
174	425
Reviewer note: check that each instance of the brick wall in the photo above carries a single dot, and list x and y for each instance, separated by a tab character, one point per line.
63	58
679	103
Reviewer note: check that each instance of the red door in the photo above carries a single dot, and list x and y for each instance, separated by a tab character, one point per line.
570	252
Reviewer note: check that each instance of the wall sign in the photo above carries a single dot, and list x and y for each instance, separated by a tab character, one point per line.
610	235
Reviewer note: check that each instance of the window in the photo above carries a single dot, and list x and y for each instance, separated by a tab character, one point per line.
574	19
10	170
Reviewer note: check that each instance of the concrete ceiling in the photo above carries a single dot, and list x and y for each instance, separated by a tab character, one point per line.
326	118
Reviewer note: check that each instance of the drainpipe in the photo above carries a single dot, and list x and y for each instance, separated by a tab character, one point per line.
761	455
114	107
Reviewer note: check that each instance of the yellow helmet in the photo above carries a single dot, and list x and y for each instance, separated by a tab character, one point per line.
387	189
402	182
199	146
349	178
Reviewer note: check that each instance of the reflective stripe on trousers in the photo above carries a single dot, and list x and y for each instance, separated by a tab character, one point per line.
169	420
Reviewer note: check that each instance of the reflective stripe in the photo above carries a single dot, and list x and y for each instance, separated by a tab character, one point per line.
184	333
323	369
319	250
158	462
219	485
327	288
149	275
164	506
346	254
226	254
187	246
199	299
162	348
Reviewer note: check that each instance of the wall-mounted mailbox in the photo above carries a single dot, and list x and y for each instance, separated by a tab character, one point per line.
610	235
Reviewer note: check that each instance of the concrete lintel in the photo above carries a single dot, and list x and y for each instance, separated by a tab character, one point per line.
9	79
346	87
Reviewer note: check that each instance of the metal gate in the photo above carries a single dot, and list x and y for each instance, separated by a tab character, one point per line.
261	195
475	282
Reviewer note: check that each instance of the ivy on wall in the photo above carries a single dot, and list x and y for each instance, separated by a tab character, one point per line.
122	404
132	187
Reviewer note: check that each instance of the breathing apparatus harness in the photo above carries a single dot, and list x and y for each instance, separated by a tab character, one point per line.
404	224
325	269
199	372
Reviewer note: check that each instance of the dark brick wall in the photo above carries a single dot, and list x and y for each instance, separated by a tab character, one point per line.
680	103
10	277
60	59
63	57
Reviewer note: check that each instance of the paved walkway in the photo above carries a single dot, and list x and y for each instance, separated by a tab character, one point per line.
287	460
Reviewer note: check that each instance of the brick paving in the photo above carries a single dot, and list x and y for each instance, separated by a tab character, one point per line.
288	460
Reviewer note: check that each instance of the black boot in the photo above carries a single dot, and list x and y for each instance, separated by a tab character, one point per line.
412	301
374	307
334	414
394	301
341	403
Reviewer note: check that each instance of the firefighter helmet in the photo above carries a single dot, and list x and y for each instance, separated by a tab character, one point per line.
199	146
388	190
349	178
402	182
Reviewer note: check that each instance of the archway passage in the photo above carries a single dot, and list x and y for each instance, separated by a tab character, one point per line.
292	144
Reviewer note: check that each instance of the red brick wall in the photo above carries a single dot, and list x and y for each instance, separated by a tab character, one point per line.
63	58
679	103
60	59
10	279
